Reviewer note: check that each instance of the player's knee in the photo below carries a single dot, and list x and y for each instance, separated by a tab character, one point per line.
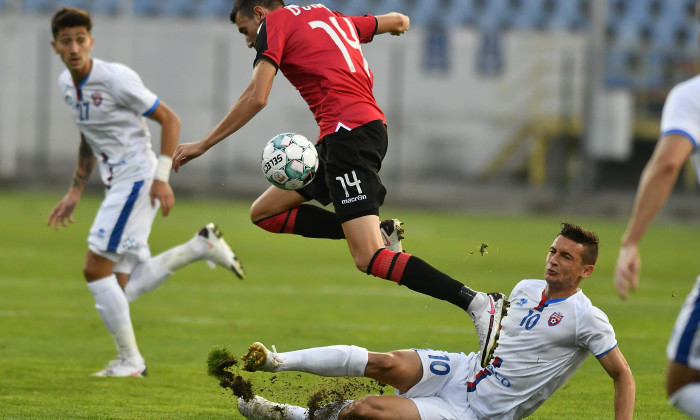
391	367
88	273
384	362
256	212
362	264
96	267
402	369
679	376
362	259
91	272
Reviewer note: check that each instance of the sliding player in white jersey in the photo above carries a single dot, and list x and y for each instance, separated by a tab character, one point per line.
680	134
550	329
108	102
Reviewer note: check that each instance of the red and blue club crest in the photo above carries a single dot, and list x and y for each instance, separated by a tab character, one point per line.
555	318
97	98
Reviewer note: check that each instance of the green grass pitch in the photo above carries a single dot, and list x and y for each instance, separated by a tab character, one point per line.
299	293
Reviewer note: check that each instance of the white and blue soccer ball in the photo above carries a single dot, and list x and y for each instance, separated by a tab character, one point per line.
289	161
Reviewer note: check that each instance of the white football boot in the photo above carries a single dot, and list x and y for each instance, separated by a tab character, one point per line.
392	233
258	408
259	358
219	251
487	320
124	368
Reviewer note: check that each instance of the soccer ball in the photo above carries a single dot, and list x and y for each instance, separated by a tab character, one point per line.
289	161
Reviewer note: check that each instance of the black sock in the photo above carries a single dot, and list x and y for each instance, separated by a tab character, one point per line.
316	222
421	277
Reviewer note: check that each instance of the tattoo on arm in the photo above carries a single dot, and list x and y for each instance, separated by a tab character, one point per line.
86	161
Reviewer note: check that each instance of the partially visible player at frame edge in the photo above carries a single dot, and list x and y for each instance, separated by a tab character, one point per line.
680	134
550	330
319	52
108	102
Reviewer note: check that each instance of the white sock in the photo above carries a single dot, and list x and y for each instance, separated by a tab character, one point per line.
687	399
271	410
294	412
478	301
327	361
193	250
154	272
146	277
113	307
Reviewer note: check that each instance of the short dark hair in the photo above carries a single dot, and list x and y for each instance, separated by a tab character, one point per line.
585	237
246	7
69	17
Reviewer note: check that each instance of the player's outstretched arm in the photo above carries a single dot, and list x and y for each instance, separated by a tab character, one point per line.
64	209
252	101
170	131
393	23
615	364
655	185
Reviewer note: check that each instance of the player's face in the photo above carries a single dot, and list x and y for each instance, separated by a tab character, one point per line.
248	27
74	46
564	268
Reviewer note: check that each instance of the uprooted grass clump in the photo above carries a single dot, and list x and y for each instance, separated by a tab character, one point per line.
220	359
332	395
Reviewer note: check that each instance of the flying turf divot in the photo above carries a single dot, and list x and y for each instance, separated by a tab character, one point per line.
332	395
219	360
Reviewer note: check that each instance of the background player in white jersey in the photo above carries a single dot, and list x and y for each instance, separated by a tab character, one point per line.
549	332
108	102
680	134
319	52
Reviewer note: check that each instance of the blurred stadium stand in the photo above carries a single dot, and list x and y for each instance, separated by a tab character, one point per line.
650	45
569	15
645	37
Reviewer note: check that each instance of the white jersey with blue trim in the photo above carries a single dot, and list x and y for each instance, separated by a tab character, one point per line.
681	115
109	106
543	342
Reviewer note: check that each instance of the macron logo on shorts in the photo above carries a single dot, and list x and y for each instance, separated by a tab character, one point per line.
352	200
350	180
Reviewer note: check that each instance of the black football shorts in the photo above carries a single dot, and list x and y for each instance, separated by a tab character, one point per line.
348	171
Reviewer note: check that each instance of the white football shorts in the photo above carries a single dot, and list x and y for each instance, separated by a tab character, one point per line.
442	392
122	225
684	344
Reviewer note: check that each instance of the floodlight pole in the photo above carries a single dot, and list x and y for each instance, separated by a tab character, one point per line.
587	173
9	118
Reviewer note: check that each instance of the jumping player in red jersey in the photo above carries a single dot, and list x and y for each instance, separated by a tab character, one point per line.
319	51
